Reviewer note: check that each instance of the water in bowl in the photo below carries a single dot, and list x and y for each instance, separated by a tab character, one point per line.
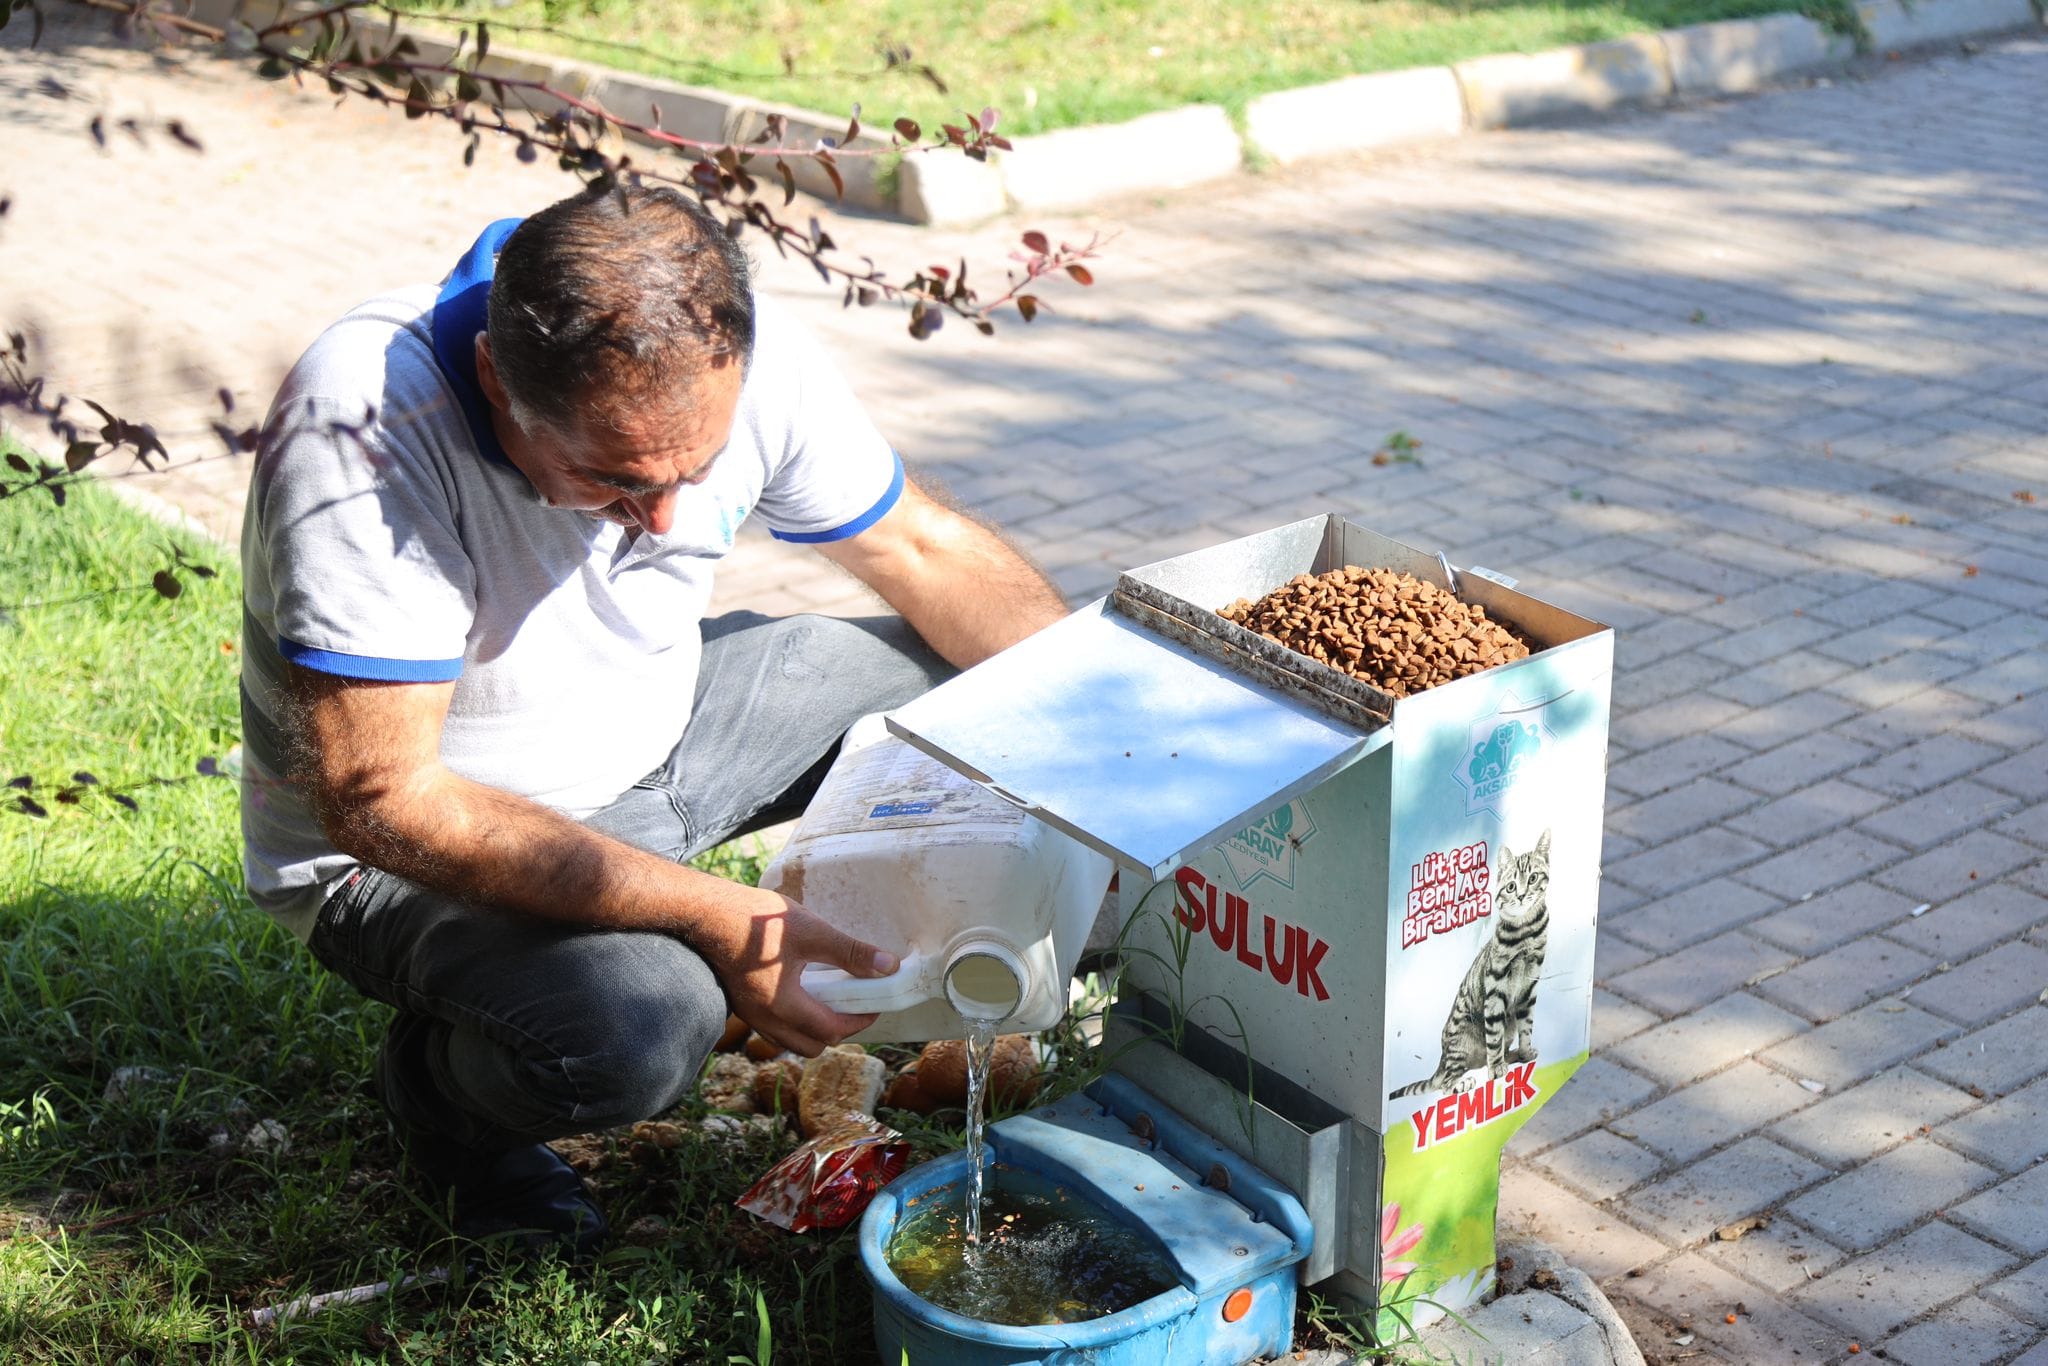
1047	1255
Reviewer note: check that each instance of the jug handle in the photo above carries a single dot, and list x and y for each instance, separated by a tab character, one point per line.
841	990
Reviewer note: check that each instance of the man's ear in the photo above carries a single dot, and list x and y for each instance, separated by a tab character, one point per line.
487	375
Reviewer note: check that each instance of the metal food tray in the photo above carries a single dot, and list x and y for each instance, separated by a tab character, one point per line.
1172	597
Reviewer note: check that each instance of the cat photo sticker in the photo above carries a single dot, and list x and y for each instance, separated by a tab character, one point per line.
1490	1026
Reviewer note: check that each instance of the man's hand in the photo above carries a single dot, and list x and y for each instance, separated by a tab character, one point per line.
958	584
762	968
368	756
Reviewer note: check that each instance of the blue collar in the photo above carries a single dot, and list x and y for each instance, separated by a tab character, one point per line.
462	311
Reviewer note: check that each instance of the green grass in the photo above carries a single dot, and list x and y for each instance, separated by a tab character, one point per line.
126	941
1048	64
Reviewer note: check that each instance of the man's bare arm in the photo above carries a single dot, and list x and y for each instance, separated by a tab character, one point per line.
956	582
368	755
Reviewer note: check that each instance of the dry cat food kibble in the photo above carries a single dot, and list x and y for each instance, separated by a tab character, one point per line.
1391	630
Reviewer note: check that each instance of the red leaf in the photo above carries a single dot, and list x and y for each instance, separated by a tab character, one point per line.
1028	306
1081	275
908	130
831	169
788	181
1035	241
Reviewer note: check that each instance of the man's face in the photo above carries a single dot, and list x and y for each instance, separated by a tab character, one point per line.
631	471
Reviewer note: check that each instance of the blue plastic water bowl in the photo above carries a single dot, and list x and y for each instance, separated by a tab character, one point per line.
1233	1243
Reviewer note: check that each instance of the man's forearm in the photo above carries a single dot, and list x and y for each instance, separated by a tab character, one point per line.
966	591
996	600
489	847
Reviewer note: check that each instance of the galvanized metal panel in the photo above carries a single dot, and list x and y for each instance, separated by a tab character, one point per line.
1180	597
1128	741
1250	566
1314	1164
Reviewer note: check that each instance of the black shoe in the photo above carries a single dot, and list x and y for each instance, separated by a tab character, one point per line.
527	1197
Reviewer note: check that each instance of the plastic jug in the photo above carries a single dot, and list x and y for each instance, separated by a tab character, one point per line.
987	906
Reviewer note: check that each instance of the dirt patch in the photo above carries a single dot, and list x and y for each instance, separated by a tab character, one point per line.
1391	630
1663	1340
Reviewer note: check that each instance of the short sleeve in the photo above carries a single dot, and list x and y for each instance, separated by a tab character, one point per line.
833	475
367	575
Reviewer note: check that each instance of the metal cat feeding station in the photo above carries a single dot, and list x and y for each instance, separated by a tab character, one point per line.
1314	874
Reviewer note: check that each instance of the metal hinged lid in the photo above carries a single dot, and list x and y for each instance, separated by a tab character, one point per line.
1128	741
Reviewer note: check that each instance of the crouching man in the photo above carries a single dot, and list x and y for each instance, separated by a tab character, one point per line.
485	720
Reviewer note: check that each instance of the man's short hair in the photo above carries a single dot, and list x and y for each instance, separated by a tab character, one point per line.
617	295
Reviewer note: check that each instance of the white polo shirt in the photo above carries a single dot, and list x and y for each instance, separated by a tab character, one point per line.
387	537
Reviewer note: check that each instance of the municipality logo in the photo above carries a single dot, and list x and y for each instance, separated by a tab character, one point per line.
1267	847
1499	749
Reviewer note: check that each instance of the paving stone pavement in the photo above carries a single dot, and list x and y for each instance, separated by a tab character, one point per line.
1757	383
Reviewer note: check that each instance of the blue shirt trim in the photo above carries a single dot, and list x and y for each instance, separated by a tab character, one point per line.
858	524
370	666
460	312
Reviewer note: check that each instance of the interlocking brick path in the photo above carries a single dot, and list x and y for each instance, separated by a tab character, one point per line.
1755	382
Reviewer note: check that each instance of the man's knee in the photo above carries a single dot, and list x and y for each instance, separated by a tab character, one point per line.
620	1036
653	1030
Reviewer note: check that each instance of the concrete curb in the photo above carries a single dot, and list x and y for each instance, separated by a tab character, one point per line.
1076	167
1359	113
1548	1313
1515	88
1742	55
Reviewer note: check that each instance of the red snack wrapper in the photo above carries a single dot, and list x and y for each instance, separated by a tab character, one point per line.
829	1180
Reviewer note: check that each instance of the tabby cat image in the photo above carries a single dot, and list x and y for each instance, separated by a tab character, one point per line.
1493	1019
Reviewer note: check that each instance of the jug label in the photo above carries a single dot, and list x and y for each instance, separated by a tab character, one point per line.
883	810
890	785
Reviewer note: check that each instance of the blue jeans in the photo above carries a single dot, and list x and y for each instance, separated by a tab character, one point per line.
513	1028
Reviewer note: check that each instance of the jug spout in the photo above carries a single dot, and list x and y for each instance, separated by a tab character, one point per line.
985	981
